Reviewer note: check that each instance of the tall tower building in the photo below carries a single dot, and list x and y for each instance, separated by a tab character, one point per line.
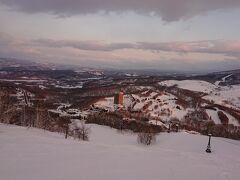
118	98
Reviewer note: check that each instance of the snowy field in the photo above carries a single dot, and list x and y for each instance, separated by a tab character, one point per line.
34	154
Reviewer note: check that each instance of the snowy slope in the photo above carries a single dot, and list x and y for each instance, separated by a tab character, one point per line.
226	95
34	154
223	79
214	116
229	96
193	85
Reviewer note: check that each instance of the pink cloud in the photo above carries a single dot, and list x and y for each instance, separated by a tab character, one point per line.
216	55
224	47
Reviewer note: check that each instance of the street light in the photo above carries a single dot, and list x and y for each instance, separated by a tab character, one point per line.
208	150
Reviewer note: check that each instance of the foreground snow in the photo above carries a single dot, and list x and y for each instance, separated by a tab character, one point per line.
36	154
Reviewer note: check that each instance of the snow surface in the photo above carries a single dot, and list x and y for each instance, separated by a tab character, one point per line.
70	86
225	95
23	80
214	116
131	75
223	79
106	103
193	85
37	154
64	110
160	103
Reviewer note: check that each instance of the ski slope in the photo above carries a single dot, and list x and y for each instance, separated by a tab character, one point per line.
225	95
223	79
193	85
34	154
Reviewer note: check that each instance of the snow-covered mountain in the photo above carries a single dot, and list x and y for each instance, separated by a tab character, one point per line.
165	105
227	95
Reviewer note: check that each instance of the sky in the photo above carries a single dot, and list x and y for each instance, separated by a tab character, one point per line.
182	35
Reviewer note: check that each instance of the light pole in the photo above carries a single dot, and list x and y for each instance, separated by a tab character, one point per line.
169	127
208	150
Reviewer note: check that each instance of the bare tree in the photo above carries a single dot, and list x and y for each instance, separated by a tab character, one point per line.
7	107
82	131
147	137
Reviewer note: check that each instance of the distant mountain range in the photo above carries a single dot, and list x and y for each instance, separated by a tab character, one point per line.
22	64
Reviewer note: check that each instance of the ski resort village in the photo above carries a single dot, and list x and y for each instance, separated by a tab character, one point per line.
93	124
119	90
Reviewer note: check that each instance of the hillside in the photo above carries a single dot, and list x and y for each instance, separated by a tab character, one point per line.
37	154
50	98
228	95
166	104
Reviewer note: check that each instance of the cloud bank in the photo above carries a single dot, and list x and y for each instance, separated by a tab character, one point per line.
198	55
224	47
169	10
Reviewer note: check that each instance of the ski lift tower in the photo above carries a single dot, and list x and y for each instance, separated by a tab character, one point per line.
208	150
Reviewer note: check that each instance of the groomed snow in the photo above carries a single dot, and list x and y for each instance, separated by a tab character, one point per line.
223	79
214	116
229	96
33	154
